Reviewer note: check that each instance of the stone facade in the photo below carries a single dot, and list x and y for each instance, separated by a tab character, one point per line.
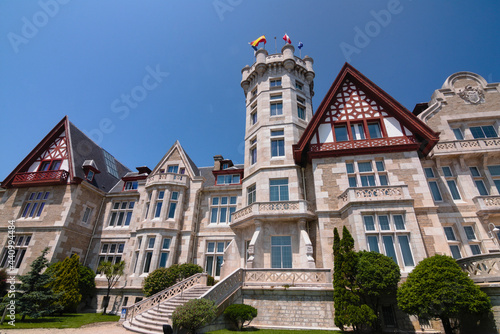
406	185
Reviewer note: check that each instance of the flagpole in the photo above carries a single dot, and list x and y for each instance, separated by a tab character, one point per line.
275	45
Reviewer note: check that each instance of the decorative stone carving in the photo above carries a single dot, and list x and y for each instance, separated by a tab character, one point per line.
474	95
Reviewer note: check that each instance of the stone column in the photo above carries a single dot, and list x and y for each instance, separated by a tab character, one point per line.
251	247
306	243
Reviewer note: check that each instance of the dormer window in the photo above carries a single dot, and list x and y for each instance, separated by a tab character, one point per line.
225	165
131	185
374	130
90	175
173	169
50	165
228	179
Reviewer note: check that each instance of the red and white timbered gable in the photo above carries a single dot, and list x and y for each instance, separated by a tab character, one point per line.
357	117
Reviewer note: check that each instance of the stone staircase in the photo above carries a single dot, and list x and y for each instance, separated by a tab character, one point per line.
152	320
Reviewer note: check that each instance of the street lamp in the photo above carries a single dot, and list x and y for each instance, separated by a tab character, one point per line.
492	231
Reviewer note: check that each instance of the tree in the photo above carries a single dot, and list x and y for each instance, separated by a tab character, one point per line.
65	278
86	283
194	314
377	276
163	278
438	288
113	272
37	298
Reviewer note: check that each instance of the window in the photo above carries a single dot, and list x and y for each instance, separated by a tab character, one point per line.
387	234
251	194
90	175
495	175
358	131
451	182
277	143
433	185
146	207
253	151
131	185
253	115
159	203
20	244
367	173
254	92
475	249
174	198
299	85
374	130
49	165
86	215
453	242
472	239
121	213
486	131
35	204
149	254
458	134
228	179
276	105
278	190
341	133
275	82
214	257
478	181
172	169
388	316
301	109
221	209
110	164
469	232
281	252
111	252
165	252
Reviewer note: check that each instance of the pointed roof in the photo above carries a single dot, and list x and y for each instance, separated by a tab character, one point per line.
192	169
424	137
79	150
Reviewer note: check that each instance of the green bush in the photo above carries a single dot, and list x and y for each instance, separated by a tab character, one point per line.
163	278
210	280
239	313
194	314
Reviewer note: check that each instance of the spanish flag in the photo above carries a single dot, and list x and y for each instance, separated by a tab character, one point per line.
255	43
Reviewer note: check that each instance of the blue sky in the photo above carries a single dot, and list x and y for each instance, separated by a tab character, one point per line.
80	58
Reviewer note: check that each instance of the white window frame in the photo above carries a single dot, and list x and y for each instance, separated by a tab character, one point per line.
121	212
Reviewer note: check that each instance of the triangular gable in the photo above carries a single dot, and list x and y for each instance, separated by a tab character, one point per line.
54	146
176	153
358	117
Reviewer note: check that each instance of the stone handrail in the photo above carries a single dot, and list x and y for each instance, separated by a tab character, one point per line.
482	268
293	277
160	297
226	287
271	208
487	203
461	146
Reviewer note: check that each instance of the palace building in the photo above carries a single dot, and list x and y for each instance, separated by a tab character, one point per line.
406	184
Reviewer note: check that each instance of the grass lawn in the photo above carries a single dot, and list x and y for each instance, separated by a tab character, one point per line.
70	320
274	331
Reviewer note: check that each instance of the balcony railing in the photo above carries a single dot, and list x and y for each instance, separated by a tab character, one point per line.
170	178
292	277
39	178
487	204
465	146
482	268
272	210
371	194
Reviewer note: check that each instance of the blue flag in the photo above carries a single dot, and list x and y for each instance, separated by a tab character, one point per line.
300	45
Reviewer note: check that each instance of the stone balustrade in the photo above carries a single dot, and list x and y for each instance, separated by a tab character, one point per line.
487	204
158	298
290	277
167	178
225	288
271	210
484	268
466	146
370	194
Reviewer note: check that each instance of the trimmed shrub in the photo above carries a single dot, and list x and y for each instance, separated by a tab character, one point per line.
210	280
239	313
188	270
194	314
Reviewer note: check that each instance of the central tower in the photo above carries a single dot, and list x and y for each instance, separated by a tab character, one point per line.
272	220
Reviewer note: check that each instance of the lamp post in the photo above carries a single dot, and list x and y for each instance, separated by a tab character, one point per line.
493	233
